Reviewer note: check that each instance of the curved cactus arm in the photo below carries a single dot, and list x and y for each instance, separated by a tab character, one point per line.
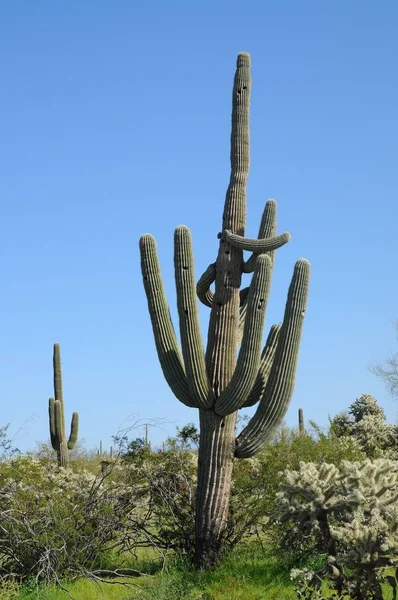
51	416
191	337
266	230
165	339
243	378
203	291
279	388
58	417
267	358
74	431
255	245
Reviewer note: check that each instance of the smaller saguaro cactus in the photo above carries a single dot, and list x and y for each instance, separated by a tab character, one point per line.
57	417
301	421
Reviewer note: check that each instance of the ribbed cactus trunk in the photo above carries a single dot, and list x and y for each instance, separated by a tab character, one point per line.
221	381
217	432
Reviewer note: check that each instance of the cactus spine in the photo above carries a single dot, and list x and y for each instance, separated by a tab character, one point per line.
57	417
217	381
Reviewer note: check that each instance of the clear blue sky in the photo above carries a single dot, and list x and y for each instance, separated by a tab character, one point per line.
115	121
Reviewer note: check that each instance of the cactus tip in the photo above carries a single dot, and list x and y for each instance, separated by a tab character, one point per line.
243	59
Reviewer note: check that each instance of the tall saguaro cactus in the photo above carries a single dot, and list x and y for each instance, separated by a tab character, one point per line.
59	442
220	380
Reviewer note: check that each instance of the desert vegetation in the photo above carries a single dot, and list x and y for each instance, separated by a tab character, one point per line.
240	509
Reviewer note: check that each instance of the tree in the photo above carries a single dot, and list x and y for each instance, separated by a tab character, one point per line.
218	382
388	371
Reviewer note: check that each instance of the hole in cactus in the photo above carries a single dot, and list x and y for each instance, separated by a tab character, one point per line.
185	268
245	87
239	91
222	424
145	278
302	313
227	252
186	312
219	303
260	304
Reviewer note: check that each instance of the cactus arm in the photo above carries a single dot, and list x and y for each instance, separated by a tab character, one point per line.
51	415
280	384
248	361
255	245
203	291
266	230
59	431
267	358
74	431
191	337
165	339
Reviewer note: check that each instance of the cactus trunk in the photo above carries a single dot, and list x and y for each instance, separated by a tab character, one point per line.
222	380
63	454
215	462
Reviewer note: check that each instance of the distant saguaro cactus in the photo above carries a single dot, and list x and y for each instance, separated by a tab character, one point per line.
57	418
301	421
219	382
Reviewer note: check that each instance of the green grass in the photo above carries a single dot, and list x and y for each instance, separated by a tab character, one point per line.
249	573
246	574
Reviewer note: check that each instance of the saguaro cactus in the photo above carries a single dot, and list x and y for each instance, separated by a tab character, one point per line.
301	421
221	381
57	418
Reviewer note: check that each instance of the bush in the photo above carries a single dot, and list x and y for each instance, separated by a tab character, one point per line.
347	514
57	522
256	480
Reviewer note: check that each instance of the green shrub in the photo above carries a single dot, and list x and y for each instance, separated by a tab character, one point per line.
55	521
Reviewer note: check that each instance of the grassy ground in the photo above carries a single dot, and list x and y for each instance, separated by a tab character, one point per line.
247	574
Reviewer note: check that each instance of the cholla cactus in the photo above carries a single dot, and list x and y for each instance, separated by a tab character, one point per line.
59	442
220	381
366	423
352	514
